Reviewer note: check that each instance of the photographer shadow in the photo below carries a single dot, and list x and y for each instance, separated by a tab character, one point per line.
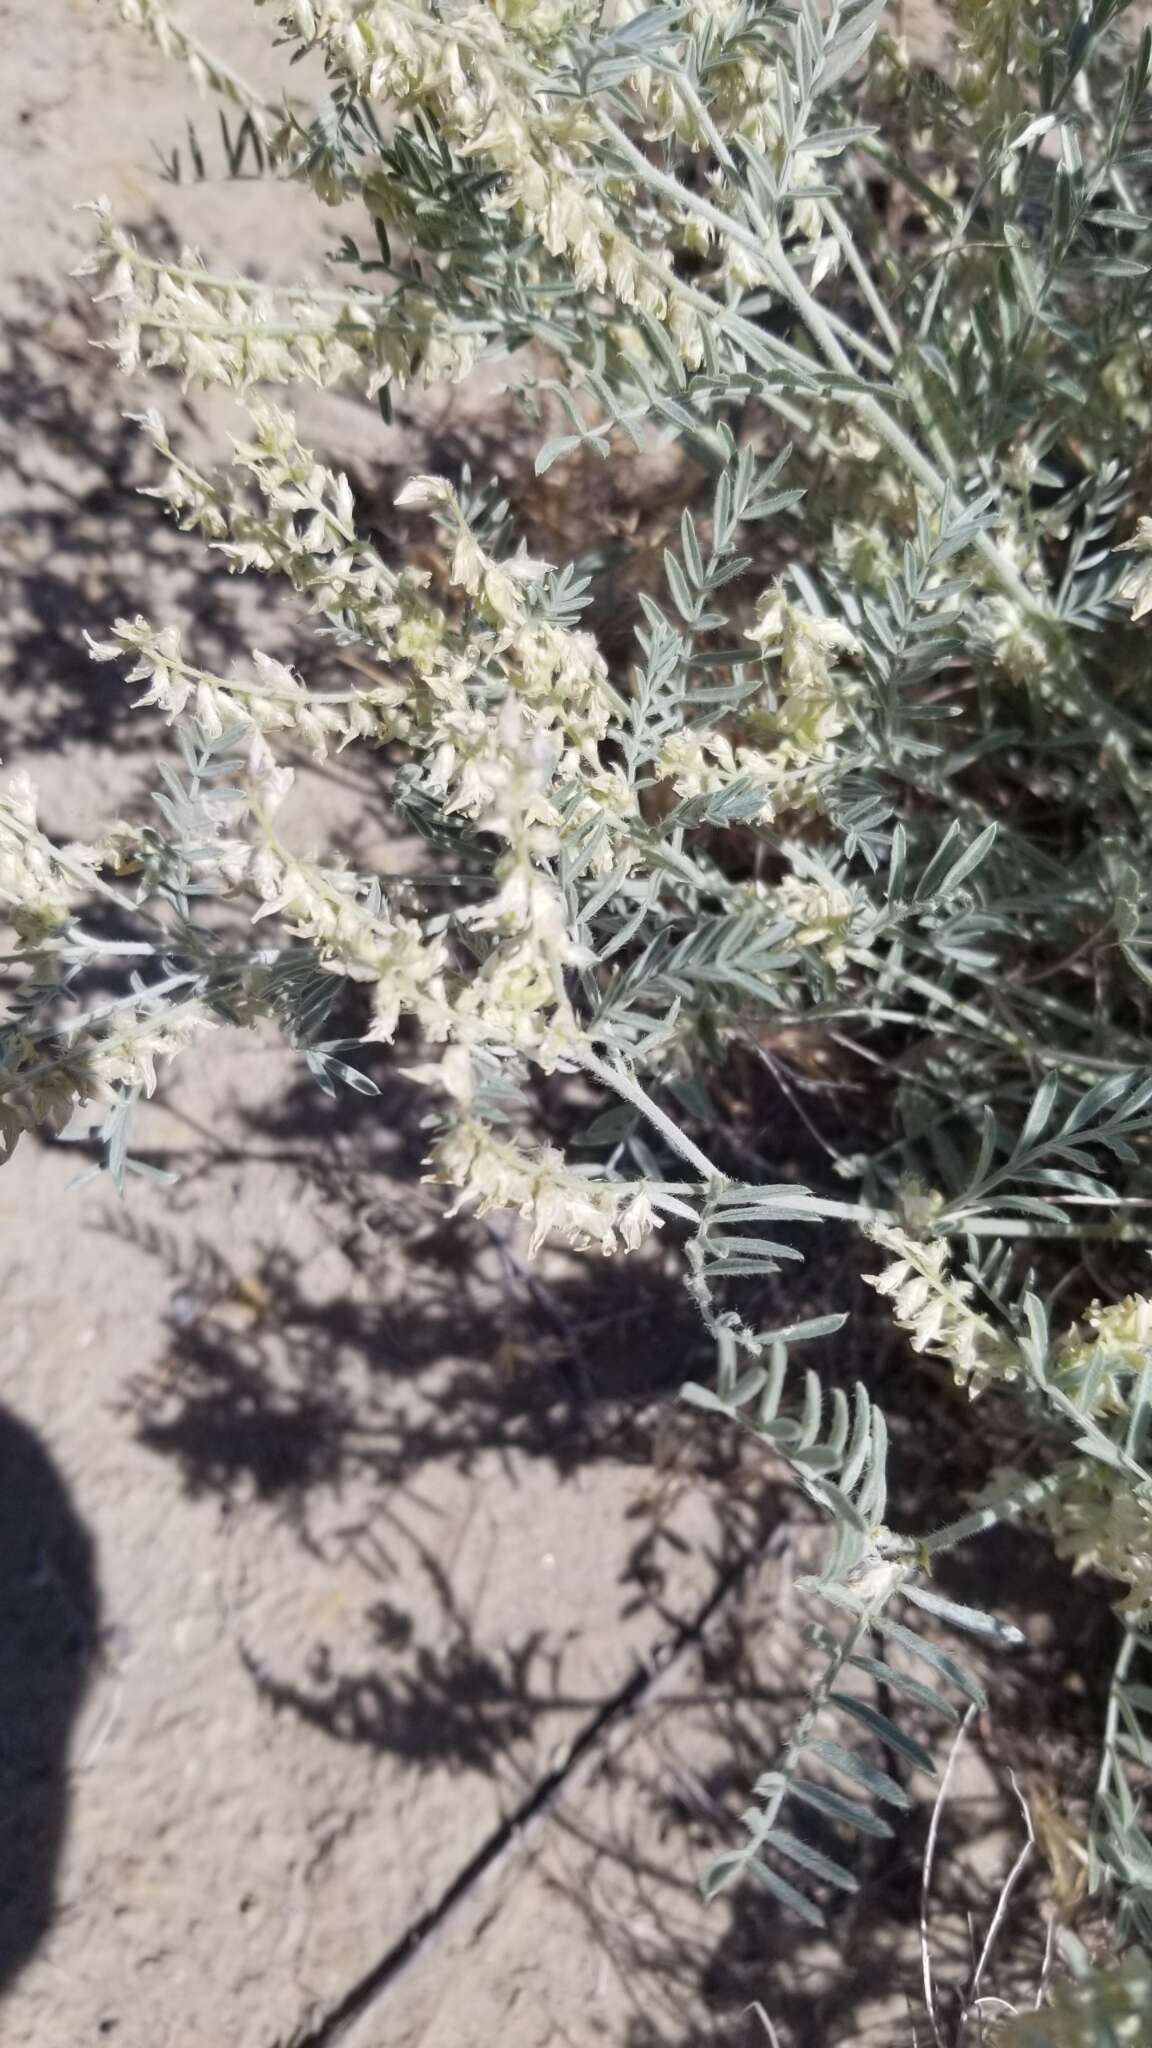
49	1637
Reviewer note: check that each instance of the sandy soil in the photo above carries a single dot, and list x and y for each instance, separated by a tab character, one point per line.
376	1668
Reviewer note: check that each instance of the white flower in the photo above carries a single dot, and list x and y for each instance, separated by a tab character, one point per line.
936	1311
1117	1351
404	967
36	889
423	491
1099	1521
240	331
812	707
823	913
696	761
539	1185
467	71
125	1054
1018	646
1135	586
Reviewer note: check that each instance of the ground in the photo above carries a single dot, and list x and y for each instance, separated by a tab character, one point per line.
382	1665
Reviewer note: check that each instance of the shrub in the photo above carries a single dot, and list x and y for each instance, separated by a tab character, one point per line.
874	774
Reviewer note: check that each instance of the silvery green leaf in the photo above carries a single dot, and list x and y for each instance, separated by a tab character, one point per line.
798	1851
832	1804
959	1616
703	1397
930	1653
885	1729
786	1894
900	1681
874	1780
722	1871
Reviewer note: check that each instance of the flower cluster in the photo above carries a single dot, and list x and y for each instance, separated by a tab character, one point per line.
518	998
124	1053
811	711
443	684
237	332
1102	1523
538	1184
1118	1350
361	939
275	701
824	914
510	707
999	44
37	882
492	104
46	1077
936	1310
808	715
1135	586
557	677
497	586
302	526
1016	644
750	98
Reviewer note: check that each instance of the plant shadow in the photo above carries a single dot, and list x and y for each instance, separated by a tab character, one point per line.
432	1348
79	544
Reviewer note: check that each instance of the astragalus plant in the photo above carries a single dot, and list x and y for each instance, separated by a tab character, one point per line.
878	769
